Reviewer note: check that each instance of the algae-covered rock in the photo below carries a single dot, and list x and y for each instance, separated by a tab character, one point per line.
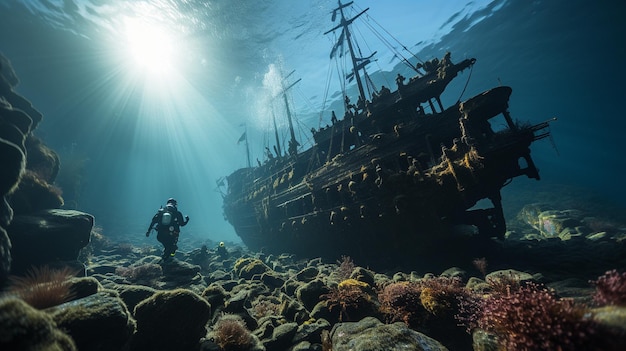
25	328
371	334
248	267
309	294
134	294
97	322
281	337
171	320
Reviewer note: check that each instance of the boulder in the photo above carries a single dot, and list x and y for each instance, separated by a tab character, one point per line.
25	328
48	237
171	320
309	294
311	331
281	337
97	322
371	334
247	268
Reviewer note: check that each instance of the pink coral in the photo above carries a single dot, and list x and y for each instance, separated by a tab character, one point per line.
610	288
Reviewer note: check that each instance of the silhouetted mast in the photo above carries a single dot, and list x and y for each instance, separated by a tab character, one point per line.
247	147
293	143
280	153
345	31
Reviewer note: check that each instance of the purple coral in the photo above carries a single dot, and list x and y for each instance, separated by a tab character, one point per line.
530	318
610	289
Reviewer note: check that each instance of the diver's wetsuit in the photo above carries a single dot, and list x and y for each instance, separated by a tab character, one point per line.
168	234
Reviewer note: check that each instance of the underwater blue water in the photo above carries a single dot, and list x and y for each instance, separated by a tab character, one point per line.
146	137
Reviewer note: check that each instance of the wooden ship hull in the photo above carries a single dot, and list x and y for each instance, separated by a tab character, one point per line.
388	177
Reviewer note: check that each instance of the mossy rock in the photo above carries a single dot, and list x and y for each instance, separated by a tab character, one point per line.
249	267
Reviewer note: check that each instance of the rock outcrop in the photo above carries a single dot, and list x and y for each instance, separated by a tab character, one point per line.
49	237
32	231
15	126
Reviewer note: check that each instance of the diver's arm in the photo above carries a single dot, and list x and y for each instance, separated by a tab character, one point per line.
155	219
183	222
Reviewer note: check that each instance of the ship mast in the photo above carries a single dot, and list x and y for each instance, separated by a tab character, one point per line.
245	135
292	148
278	150
344	24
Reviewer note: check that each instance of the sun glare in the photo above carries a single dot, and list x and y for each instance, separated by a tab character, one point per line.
150	46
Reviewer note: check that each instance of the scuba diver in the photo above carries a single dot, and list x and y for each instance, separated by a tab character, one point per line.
221	250
168	221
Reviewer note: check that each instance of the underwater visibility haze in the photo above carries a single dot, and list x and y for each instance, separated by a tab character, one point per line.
146	100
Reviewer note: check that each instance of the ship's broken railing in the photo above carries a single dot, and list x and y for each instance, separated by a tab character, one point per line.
541	127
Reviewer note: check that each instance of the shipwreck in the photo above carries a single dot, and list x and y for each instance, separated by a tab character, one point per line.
398	170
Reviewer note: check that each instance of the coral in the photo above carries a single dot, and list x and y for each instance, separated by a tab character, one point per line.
146	272
412	302
264	307
530	317
610	288
346	266
439	301
231	334
352	298
401	302
43	287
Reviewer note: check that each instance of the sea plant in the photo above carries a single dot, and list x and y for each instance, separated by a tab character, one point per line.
346	266
264	307
351	300
414	302
400	302
440	295
43	287
610	288
147	272
231	334
529	317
